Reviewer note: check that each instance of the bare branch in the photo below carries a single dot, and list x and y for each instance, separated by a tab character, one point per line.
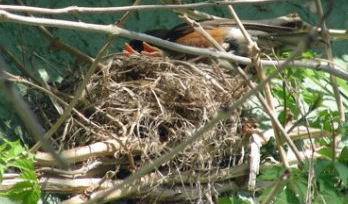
77	95
82	153
333	81
28	118
80	10
254	52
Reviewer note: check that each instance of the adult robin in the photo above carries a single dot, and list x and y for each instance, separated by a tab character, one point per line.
282	32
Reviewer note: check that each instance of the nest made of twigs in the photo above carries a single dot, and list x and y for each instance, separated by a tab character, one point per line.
150	105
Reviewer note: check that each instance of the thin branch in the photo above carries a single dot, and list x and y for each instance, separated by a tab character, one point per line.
81	10
77	95
193	14
58	44
117	31
221	115
199	29
18	79
125	16
335	34
206	35
329	56
30	75
254	53
276	187
19	65
78	154
23	111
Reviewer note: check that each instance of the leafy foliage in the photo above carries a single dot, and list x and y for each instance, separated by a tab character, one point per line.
307	94
329	184
14	157
238	199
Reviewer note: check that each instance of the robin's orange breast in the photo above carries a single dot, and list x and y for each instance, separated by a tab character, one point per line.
197	40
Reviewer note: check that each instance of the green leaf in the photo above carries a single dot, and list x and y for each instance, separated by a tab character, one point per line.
29	175
323	167
24	191
343	158
273	173
291	105
326	151
2	170
343	129
264	194
308	55
328	193
281	198
342	172
3	146
286	196
298	187
23	164
324	119
12	155
291	197
342	84
32	196
232	200
14	149
16	191
226	200
281	117
317	101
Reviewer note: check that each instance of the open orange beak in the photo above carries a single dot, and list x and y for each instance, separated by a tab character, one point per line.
149	50
128	50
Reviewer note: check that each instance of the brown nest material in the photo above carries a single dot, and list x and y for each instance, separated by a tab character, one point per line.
150	105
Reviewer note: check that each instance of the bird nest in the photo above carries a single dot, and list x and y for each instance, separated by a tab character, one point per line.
144	107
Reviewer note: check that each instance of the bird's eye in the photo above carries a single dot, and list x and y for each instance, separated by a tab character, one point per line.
230	46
